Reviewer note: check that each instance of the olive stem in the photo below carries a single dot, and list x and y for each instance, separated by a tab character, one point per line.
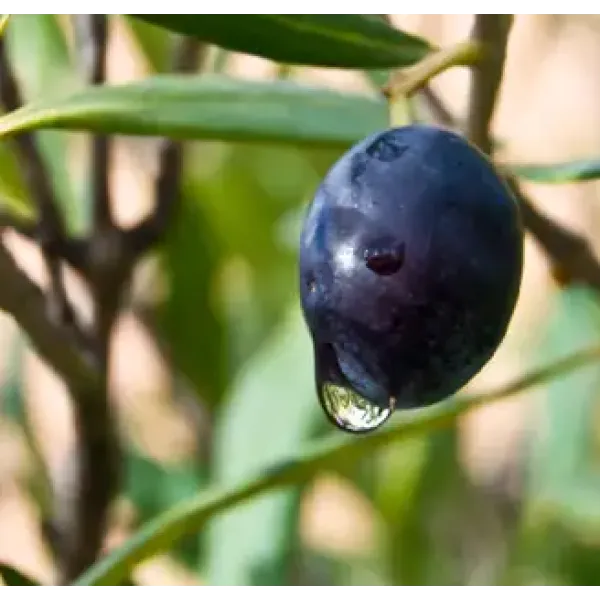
405	82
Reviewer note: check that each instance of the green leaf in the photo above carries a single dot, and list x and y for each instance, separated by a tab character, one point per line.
154	487
191	515
351	41
38	50
209	107
254	200
276	389
191	327
13	194
39	53
562	499
563	469
568	172
154	43
13	577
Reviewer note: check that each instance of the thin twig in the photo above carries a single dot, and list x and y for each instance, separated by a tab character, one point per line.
491	31
437	108
22	299
81	528
151	230
571	256
51	230
71	250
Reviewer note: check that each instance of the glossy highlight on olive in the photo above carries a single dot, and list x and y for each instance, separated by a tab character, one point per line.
410	266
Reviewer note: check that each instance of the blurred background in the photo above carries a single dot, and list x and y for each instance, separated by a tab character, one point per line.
212	365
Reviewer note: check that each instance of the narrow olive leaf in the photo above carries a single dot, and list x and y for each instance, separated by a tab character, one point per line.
350	41
209	107
12	577
282	368
564	472
569	172
160	533
153	42
39	51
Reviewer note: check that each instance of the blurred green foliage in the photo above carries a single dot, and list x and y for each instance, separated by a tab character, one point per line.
233	332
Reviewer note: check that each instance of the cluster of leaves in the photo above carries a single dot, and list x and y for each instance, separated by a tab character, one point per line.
249	359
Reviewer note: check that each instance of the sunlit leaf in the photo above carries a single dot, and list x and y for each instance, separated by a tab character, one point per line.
352	41
209	107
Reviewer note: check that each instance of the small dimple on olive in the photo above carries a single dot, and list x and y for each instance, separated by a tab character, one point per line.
384	262
399	330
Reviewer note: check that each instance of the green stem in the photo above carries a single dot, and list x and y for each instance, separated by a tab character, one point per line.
191	515
406	82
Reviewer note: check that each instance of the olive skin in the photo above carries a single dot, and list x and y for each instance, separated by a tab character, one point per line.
410	266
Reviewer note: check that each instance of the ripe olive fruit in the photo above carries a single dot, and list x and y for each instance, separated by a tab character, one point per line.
410	265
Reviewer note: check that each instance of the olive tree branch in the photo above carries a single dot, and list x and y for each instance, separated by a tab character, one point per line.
151	230
49	320
25	301
110	257
491	31
50	230
190	515
571	256
82	509
71	250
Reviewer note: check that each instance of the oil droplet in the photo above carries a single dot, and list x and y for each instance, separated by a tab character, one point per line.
350	411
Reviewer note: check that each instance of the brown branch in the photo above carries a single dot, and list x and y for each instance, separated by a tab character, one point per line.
81	519
111	257
168	183
571	256
50	230
491	31
72	250
22	299
56	345
92	35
